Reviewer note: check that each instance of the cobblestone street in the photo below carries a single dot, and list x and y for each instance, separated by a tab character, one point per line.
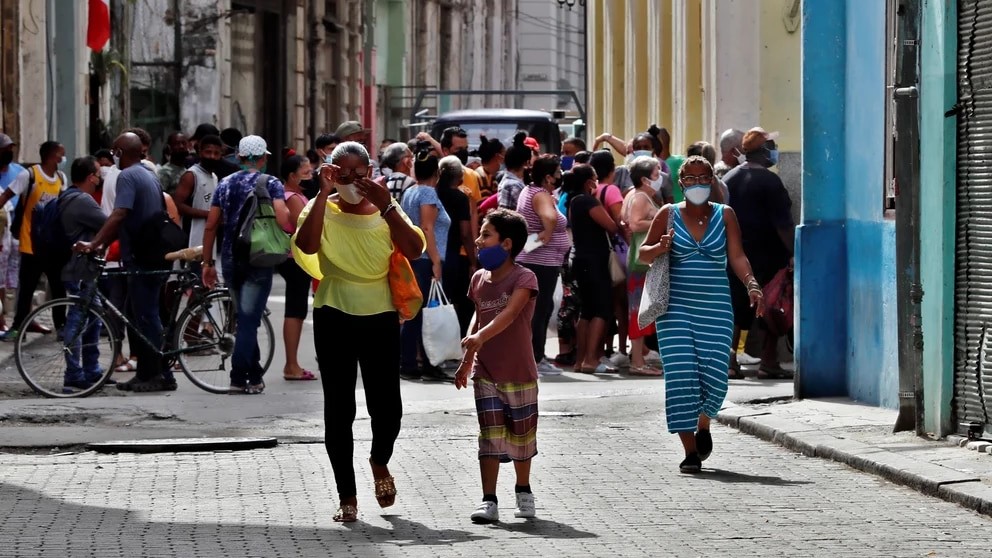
606	483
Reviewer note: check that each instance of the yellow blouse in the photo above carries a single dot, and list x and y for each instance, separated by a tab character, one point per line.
352	263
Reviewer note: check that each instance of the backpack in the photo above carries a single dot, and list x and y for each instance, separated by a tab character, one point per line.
157	236
48	237
260	241
22	201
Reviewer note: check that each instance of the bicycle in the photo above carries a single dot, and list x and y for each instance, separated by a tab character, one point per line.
200	339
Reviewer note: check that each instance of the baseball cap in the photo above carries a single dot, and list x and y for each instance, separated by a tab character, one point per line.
204	130
252	146
5	141
532	143
348	128
755	138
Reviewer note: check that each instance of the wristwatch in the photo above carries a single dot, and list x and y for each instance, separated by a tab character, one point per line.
390	207
208	263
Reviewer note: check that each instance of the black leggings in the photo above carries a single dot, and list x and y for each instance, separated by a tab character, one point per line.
547	279
344	341
27	281
297	289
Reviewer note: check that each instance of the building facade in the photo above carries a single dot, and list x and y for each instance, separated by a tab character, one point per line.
698	67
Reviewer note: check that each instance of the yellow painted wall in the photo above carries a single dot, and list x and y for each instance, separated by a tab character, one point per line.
781	76
633	65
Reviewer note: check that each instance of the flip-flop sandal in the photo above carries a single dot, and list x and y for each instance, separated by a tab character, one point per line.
130	365
346	514
305	376
385	490
645	371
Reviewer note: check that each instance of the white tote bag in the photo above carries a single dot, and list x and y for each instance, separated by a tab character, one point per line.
657	286
442	334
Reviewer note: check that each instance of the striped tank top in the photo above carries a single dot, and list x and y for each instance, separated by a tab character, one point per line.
553	253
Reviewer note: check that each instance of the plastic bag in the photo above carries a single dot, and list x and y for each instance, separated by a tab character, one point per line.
441	330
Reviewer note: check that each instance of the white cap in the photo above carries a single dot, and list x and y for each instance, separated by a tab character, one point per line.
252	146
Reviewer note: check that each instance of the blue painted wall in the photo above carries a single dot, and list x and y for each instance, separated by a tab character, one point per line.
847	342
938	176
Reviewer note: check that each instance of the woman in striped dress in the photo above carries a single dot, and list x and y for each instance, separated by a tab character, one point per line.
695	334
538	208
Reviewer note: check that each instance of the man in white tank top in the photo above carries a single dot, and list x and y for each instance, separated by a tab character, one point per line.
196	189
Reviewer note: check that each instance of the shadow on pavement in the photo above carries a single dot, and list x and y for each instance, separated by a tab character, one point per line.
34	524
410	533
737	478
546	529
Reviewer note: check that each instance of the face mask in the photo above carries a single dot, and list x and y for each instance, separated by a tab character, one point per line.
178	158
773	156
209	165
639	153
567	162
656	184
5	158
328	160
462	155
349	193
117	161
62	163
741	158
697	195
492	257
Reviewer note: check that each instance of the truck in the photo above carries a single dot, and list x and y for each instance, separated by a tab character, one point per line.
548	128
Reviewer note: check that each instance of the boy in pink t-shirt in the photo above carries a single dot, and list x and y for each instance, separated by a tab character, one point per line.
498	350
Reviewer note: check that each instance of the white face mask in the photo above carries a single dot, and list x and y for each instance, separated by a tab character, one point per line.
117	161
697	195
656	184
349	193
741	158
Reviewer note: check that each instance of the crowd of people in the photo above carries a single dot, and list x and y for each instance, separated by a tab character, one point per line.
497	225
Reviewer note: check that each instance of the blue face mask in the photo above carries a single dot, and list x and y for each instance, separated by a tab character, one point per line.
567	162
492	257
773	156
328	160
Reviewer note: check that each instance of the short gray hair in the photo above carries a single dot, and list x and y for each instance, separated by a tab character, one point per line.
393	154
451	163
642	167
730	139
350	148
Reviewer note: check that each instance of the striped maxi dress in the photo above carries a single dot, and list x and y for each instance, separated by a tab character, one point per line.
695	334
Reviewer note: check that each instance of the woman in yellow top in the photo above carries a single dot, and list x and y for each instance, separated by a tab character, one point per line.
346	240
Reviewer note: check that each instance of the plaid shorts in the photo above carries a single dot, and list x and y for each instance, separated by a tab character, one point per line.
507	420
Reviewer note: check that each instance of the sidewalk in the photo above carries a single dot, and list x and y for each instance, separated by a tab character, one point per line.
861	436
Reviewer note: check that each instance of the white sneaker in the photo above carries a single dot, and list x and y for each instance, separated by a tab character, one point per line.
525	505
746	359
619	360
607	366
546	368
653	358
487	512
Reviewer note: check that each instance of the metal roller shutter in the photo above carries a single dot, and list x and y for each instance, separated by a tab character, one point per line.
973	251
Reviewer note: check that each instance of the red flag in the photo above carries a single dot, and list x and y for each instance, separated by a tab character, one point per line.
98	32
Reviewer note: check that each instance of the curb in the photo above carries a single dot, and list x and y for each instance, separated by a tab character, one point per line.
175	445
810	440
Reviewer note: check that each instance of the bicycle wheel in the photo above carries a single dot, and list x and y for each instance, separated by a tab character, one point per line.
87	339
205	335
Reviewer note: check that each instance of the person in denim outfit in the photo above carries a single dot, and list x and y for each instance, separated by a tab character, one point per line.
250	285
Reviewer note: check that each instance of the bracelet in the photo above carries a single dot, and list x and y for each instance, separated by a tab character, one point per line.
207	263
759	291
390	207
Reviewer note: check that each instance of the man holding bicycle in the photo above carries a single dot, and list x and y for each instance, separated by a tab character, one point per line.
139	198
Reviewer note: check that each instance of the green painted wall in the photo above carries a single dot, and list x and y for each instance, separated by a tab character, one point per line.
938	177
